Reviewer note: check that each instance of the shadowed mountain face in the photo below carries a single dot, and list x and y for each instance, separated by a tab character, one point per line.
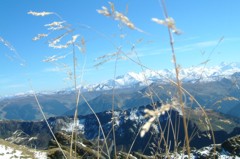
130	121
128	125
55	104
230	148
29	111
221	95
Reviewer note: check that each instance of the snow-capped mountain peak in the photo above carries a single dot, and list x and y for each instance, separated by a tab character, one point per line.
138	79
191	74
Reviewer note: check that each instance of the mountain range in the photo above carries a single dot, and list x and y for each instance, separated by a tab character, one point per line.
201	73
192	74
214	88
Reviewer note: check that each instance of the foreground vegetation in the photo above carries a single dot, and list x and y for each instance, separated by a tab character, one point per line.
180	100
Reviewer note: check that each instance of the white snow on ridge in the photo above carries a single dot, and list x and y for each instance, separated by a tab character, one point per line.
133	79
80	126
191	74
40	155
7	152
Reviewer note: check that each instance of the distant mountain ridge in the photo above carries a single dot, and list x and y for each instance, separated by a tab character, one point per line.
223	81
200	73
191	74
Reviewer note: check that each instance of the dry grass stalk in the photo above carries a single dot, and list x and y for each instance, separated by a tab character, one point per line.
49	127
54	58
108	57
182	89
15	55
170	23
55	43
7	44
226	99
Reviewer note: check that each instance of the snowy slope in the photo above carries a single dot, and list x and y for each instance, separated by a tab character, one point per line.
11	151
191	74
133	79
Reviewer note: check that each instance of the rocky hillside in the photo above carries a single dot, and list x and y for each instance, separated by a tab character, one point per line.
12	151
230	148
128	123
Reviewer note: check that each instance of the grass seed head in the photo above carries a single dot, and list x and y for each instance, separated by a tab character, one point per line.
42	14
169	22
39	36
117	16
153	114
55	25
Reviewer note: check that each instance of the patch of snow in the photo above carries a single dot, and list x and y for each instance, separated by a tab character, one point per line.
7	152
205	151
135	115
40	155
79	125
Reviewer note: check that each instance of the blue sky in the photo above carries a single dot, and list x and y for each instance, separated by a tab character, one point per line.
203	23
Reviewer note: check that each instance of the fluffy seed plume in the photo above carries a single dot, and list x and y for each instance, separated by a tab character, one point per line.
108	57
55	25
104	11
117	16
153	114
39	36
226	99
54	58
169	22
147	126
112	6
74	38
40	13
81	45
124	19
53	43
